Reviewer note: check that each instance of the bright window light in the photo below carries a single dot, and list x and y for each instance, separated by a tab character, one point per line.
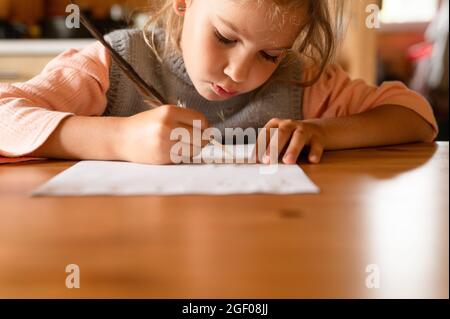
407	11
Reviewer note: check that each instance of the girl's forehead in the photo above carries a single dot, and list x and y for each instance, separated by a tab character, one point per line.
263	21
267	12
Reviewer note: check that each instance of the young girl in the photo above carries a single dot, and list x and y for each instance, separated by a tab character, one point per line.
234	63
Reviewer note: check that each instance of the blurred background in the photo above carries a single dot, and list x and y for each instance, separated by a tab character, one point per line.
411	44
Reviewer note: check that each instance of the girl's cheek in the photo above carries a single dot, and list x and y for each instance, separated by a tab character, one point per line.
213	56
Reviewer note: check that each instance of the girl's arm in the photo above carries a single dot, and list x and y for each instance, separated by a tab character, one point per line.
82	137
343	114
57	115
141	138
336	95
74	83
383	125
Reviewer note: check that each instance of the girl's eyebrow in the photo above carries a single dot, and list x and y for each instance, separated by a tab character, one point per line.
236	30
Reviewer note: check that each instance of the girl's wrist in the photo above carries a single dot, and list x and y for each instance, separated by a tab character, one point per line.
118	142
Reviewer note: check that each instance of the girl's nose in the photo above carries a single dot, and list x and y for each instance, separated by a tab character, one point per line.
238	68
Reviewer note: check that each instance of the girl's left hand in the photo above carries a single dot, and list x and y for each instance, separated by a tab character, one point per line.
293	136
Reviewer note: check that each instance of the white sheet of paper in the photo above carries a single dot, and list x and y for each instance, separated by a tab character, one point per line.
90	178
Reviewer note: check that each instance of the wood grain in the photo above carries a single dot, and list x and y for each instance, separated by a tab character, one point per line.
385	206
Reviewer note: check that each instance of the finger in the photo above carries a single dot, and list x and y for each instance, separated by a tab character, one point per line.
209	135
194	150
174	115
285	130
295	147
188	140
184	150
198	128
263	139
188	135
188	116
316	151
183	159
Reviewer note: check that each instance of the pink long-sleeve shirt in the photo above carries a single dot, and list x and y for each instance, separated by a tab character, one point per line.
76	82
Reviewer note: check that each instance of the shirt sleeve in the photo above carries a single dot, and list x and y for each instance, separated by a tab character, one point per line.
75	82
336	95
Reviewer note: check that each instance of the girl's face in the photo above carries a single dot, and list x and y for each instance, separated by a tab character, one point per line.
230	48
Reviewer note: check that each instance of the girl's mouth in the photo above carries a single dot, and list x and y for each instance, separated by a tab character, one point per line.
220	91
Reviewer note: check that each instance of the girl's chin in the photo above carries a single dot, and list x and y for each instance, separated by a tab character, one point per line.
214	98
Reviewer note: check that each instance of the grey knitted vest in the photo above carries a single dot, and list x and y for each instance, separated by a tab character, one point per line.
275	99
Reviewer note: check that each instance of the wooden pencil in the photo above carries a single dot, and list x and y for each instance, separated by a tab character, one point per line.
147	90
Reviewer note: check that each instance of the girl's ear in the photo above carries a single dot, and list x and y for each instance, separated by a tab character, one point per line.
179	6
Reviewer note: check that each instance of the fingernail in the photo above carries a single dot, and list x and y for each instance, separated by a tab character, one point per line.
266	159
288	158
313	158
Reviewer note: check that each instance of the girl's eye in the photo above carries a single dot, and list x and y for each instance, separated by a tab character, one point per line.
273	59
221	39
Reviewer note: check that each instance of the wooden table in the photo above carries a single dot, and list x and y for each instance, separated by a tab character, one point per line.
387	207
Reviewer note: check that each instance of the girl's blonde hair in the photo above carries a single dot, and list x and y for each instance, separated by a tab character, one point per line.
316	44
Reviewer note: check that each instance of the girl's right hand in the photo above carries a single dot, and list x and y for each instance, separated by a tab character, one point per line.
145	137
